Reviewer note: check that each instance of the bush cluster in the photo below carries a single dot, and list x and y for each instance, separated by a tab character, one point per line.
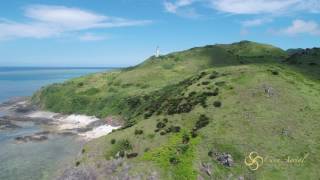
185	138
220	83
202	122
217	104
138	131
205	83
121	147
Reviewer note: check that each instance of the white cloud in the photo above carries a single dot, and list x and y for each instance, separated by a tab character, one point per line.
49	21
172	7
253	6
274	7
92	37
244	32
302	27
182	8
256	22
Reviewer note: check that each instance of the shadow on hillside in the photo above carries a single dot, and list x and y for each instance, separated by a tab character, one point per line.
305	61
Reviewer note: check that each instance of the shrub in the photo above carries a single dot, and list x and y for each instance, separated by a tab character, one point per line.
312	64
80	84
132	155
151	136
147	115
161	125
213	76
133	102
168	130
165	120
274	72
220	83
122	146
174	160
217	104
202	74
175	129
216	92
125	144
185	138
194	133
182	148
202	122
184	108
122	153
205	83
91	91
78	163
210	153
83	151
138	131
163	133
113	141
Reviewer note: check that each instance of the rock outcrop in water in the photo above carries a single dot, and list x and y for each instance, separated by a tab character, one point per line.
7	124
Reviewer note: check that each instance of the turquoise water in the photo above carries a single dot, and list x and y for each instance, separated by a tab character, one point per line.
34	160
23	81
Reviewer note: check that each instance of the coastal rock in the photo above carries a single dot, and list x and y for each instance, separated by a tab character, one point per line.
33	138
78	174
67	133
112	165
225	159
206	168
7	124
153	176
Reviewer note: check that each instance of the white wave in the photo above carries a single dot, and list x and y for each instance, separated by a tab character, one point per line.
75	121
98	132
42	114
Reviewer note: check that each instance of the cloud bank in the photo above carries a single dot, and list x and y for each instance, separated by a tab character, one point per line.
53	21
299	26
249	6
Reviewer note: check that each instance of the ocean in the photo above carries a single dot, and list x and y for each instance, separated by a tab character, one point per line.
35	160
23	81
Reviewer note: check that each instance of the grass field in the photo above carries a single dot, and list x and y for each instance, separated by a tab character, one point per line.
185	109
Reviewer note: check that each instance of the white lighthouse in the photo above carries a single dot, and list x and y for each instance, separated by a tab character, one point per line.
157	52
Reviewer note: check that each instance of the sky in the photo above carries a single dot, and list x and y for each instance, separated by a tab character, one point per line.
120	33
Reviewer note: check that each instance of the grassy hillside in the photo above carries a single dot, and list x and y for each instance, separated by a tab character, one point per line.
105	94
187	111
306	61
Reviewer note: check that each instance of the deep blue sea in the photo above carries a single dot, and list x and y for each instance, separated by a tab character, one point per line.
35	160
23	81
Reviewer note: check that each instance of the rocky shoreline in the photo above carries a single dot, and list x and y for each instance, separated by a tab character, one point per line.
20	110
19	113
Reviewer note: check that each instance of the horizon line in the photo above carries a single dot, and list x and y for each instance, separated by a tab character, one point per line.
70	67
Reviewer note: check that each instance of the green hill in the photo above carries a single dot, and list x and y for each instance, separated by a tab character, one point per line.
306	61
197	114
105	93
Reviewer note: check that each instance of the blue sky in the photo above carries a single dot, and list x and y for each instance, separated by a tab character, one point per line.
125	32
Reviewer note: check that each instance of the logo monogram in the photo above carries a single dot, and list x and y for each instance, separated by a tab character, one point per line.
254	161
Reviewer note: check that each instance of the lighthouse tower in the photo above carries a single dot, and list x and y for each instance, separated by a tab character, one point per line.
157	52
